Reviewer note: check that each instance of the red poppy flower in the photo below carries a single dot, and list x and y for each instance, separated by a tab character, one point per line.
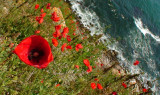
93	85
102	65
36	6
76	66
43	15
63	47
57	85
34	51
48	6
99	86
136	62
39	19
124	85
55	42
42	10
42	80
55	17
86	62
74	34
11	45
69	47
145	90
89	69
79	46
58	27
96	79
114	93
68	38
36	32
65	31
57	33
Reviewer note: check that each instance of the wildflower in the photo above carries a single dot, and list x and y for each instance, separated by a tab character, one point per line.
89	69
11	45
68	47
93	85
36	6
86	62
36	32
55	42
124	85
34	51
102	65
57	85
63	47
99	86
76	66
79	46
43	15
74	34
114	93
145	90
42	10
55	17
58	27
136	62
96	79
39	19
65	31
42	81
68	38
48	6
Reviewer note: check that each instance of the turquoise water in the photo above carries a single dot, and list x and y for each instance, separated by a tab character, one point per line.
135	27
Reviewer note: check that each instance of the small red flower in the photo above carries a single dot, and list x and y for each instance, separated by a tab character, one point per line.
57	85
114	93
68	38
42	80
48	6
54	17
55	42
37	32
102	65
57	33
39	19
43	15
11	45
42	10
96	79
89	69
136	62
99	86
74	34
58	27
63	47
76	66
65	31
124	85
86	62
68	47
34	51
36	6
79	46
145	90
93	85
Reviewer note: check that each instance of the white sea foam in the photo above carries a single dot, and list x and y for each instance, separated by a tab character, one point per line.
145	30
91	21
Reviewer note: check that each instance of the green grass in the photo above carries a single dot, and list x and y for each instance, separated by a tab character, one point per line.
17	78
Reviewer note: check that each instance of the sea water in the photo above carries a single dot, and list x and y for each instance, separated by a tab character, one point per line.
134	27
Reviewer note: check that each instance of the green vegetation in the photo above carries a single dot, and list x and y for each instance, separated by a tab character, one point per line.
16	78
